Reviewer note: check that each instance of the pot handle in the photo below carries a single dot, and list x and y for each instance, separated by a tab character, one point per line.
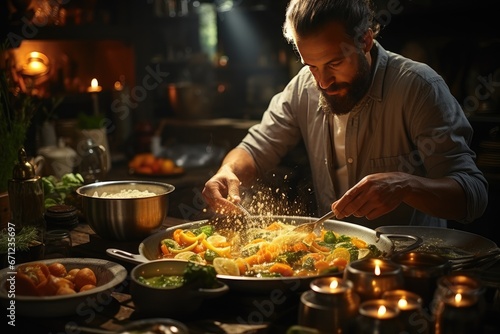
123	255
417	241
214	292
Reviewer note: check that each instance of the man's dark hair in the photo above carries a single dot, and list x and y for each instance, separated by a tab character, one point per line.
306	17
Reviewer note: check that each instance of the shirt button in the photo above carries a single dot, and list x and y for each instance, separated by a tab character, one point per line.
350	160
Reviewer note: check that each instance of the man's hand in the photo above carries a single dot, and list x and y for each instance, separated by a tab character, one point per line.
377	194
373	196
222	191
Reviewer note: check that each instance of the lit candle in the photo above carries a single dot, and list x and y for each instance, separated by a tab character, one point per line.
94	89
378	316
458	304
330	285
410	310
94	86
330	306
460	300
405	300
371	277
421	271
459	313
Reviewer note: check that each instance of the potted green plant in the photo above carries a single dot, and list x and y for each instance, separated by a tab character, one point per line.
92	126
16	113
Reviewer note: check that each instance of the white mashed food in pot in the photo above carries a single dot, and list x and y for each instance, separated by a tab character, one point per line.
126	193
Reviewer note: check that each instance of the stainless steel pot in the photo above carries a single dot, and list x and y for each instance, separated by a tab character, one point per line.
449	243
149	250
125	218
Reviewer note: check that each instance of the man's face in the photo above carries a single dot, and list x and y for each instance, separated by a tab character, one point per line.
341	69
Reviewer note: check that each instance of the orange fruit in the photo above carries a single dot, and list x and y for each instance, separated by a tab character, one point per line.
53	284
167	166
87	287
144	170
83	277
148	160
70	276
57	269
64	290
156	166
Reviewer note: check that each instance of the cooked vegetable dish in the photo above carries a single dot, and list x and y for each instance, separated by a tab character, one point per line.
275	250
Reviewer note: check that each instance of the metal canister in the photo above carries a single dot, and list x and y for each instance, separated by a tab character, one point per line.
26	200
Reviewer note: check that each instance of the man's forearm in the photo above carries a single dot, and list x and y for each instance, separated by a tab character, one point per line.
241	163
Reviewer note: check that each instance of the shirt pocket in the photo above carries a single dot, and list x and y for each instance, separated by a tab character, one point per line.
401	163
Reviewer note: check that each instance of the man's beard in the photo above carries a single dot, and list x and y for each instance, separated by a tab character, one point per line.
341	105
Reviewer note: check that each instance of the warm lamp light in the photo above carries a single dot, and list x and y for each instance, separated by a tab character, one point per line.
36	64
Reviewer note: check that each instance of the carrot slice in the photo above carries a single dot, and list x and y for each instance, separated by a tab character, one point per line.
281	268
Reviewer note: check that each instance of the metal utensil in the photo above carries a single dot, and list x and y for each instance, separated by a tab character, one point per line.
311	226
476	261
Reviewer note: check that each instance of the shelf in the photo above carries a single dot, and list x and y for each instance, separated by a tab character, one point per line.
81	32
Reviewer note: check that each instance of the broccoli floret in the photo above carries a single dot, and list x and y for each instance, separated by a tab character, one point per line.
250	251
290	257
200	275
309	264
207	229
210	255
330	237
354	253
171	243
343	238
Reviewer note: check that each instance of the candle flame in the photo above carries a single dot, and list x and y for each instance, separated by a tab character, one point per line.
458	297
402	303
377	270
334	284
94	83
381	310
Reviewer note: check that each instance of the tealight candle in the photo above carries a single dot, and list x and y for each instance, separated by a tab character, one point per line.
371	277
458	304
330	306
458	313
410	310
421	271
457	283
378	316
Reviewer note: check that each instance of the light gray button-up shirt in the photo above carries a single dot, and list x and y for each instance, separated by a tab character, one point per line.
408	122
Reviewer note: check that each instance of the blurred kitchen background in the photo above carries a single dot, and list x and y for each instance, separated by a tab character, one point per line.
193	75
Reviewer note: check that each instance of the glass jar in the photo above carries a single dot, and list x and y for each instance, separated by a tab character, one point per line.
57	244
93	165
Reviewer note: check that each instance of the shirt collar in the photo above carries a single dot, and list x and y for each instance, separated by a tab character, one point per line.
380	57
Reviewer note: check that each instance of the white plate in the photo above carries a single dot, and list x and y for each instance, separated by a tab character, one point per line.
109	275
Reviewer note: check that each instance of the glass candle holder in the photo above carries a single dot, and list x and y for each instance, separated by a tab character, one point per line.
371	277
421	271
330	306
378	316
411	314
459	305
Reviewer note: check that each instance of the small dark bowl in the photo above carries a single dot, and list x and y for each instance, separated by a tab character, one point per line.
180	301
